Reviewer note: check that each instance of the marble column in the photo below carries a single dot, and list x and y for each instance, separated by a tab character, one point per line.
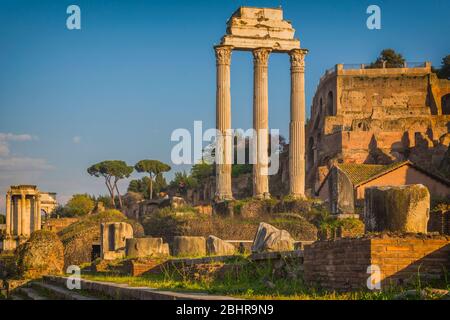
8	215
223	124
38	213
23	214
297	124
261	122
19	214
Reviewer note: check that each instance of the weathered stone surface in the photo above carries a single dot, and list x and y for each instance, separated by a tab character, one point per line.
397	208
269	238
113	239
178	202
79	238
341	192
250	28
42	254
24	204
223	208
377	116
189	246
165	249
145	247
219	247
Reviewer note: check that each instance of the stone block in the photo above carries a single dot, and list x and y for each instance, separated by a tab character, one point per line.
113	237
145	247
177	203
397	208
268	238
219	247
189	246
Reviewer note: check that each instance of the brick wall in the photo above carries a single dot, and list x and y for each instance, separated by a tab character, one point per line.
342	264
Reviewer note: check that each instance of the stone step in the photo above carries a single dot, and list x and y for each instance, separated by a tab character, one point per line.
61	292
31	294
125	292
16	297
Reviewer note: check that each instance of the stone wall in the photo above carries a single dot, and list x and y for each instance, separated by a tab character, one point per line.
57	225
342	264
377	116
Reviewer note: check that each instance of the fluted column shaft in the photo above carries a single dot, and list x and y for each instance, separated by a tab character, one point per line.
38	212
297	124
8	214
21	216
223	123
261	121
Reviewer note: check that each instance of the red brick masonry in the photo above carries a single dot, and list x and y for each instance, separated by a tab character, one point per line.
342	264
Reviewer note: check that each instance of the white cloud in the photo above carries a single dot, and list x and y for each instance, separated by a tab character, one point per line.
6	138
12	164
16	137
4	149
76	139
23	164
15	169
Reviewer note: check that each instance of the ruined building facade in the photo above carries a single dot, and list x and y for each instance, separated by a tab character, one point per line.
377	116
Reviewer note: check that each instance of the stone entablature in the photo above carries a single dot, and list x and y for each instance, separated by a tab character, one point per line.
250	28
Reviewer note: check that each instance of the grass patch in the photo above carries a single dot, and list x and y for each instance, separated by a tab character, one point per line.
250	281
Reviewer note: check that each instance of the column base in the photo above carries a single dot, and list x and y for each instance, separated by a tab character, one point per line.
10	243
297	196
263	196
223	197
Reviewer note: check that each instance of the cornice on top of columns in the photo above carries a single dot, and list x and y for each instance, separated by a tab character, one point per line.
261	56
223	54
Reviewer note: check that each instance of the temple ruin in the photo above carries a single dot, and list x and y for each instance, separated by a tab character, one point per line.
262	31
25	205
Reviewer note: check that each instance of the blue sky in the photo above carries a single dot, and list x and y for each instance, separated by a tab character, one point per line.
140	69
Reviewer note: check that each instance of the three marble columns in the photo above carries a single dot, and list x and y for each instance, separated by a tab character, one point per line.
260	123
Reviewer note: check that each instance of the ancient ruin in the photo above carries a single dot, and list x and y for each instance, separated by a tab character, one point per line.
113	239
368	115
25	205
262	31
370	223
343	187
397	209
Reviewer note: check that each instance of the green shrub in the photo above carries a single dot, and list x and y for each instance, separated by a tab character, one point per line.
79	205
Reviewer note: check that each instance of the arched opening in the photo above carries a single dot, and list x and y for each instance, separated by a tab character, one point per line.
330	104
445	103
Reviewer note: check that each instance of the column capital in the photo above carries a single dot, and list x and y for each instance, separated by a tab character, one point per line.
223	54
297	57
261	56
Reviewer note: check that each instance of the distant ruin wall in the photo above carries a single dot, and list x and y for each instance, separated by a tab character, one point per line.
377	116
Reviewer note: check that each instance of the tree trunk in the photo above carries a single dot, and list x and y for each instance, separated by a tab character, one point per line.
111	191
118	194
151	187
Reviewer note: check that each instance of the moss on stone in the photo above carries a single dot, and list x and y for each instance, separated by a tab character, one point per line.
42	254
